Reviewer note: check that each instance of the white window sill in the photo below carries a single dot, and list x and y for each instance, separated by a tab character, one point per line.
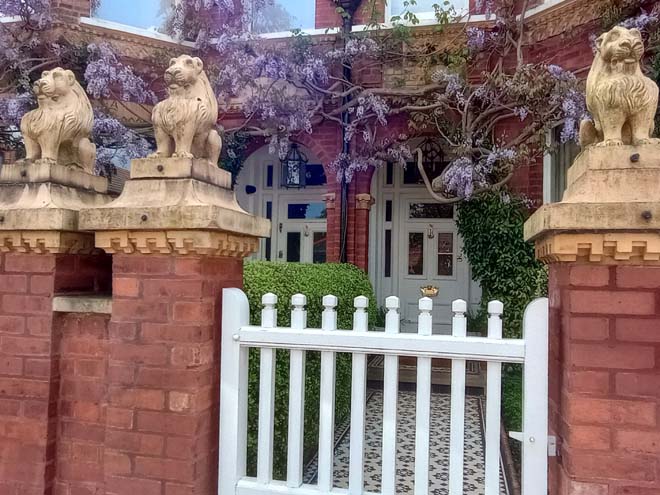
83	304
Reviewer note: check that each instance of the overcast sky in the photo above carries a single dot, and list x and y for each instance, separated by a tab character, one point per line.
144	13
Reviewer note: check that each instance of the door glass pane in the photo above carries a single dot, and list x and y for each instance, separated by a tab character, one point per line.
445	254
416	253
319	248
315	175
306	211
293	246
430	210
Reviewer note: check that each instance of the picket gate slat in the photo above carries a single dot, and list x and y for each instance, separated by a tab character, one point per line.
457	425
267	366
358	403
535	399
238	337
390	396
327	401
423	403
493	405
296	431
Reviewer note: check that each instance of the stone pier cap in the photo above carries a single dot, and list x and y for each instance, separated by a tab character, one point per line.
175	205
40	202
610	211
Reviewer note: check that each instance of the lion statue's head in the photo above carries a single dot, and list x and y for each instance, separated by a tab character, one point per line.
621	49
184	71
55	84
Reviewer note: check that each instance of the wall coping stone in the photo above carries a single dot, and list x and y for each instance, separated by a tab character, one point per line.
82	304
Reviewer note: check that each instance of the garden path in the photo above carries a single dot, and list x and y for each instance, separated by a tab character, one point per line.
439	455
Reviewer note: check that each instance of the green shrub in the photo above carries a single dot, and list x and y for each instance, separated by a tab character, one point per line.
315	281
505	266
501	260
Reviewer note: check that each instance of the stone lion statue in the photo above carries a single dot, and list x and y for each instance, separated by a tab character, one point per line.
59	129
184	123
620	98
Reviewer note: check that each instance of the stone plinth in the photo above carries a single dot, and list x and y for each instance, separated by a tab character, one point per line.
610	212
176	205
39	205
602	244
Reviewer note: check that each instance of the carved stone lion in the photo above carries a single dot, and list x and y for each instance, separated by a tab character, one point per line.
184	123
59	129
620	98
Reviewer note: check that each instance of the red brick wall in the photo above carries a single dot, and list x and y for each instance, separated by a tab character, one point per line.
605	379
29	362
82	412
28	381
162	426
72	9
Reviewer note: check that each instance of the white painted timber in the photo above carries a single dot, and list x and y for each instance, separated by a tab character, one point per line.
457	428
358	402
266	394
327	402
535	399
296	431
423	403
233	392
238	337
435	346
493	404
390	396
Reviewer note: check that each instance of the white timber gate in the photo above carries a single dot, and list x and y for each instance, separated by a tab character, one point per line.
238	337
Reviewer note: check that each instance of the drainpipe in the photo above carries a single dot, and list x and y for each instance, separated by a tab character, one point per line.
349	6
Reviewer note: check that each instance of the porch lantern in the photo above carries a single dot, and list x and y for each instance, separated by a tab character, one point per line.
293	168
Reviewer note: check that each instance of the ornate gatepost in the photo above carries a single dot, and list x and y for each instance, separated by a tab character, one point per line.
43	253
177	237
602	244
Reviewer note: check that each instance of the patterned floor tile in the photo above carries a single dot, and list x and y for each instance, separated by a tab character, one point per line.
439	468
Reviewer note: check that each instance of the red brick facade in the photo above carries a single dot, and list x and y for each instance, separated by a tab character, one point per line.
33	372
605	379
163	397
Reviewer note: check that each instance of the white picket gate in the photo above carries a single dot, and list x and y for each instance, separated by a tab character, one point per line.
238	336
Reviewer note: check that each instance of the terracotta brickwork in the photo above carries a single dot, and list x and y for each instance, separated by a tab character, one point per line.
30	352
161	426
82	406
605	379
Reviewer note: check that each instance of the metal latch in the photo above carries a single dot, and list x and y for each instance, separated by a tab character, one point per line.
552	442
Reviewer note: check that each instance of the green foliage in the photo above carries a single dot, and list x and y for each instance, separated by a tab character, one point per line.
315	281
512	385
501	260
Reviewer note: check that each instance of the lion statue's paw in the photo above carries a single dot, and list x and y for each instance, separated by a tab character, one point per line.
609	142
183	154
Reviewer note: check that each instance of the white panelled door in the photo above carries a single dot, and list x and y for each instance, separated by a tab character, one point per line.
430	254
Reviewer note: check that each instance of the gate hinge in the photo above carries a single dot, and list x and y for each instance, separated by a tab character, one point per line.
552	442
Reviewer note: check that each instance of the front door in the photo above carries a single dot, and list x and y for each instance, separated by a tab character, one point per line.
430	255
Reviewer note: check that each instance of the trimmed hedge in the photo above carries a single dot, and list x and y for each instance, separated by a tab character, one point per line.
315	281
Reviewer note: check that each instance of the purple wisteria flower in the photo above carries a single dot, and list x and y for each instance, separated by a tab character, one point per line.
642	21
105	72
